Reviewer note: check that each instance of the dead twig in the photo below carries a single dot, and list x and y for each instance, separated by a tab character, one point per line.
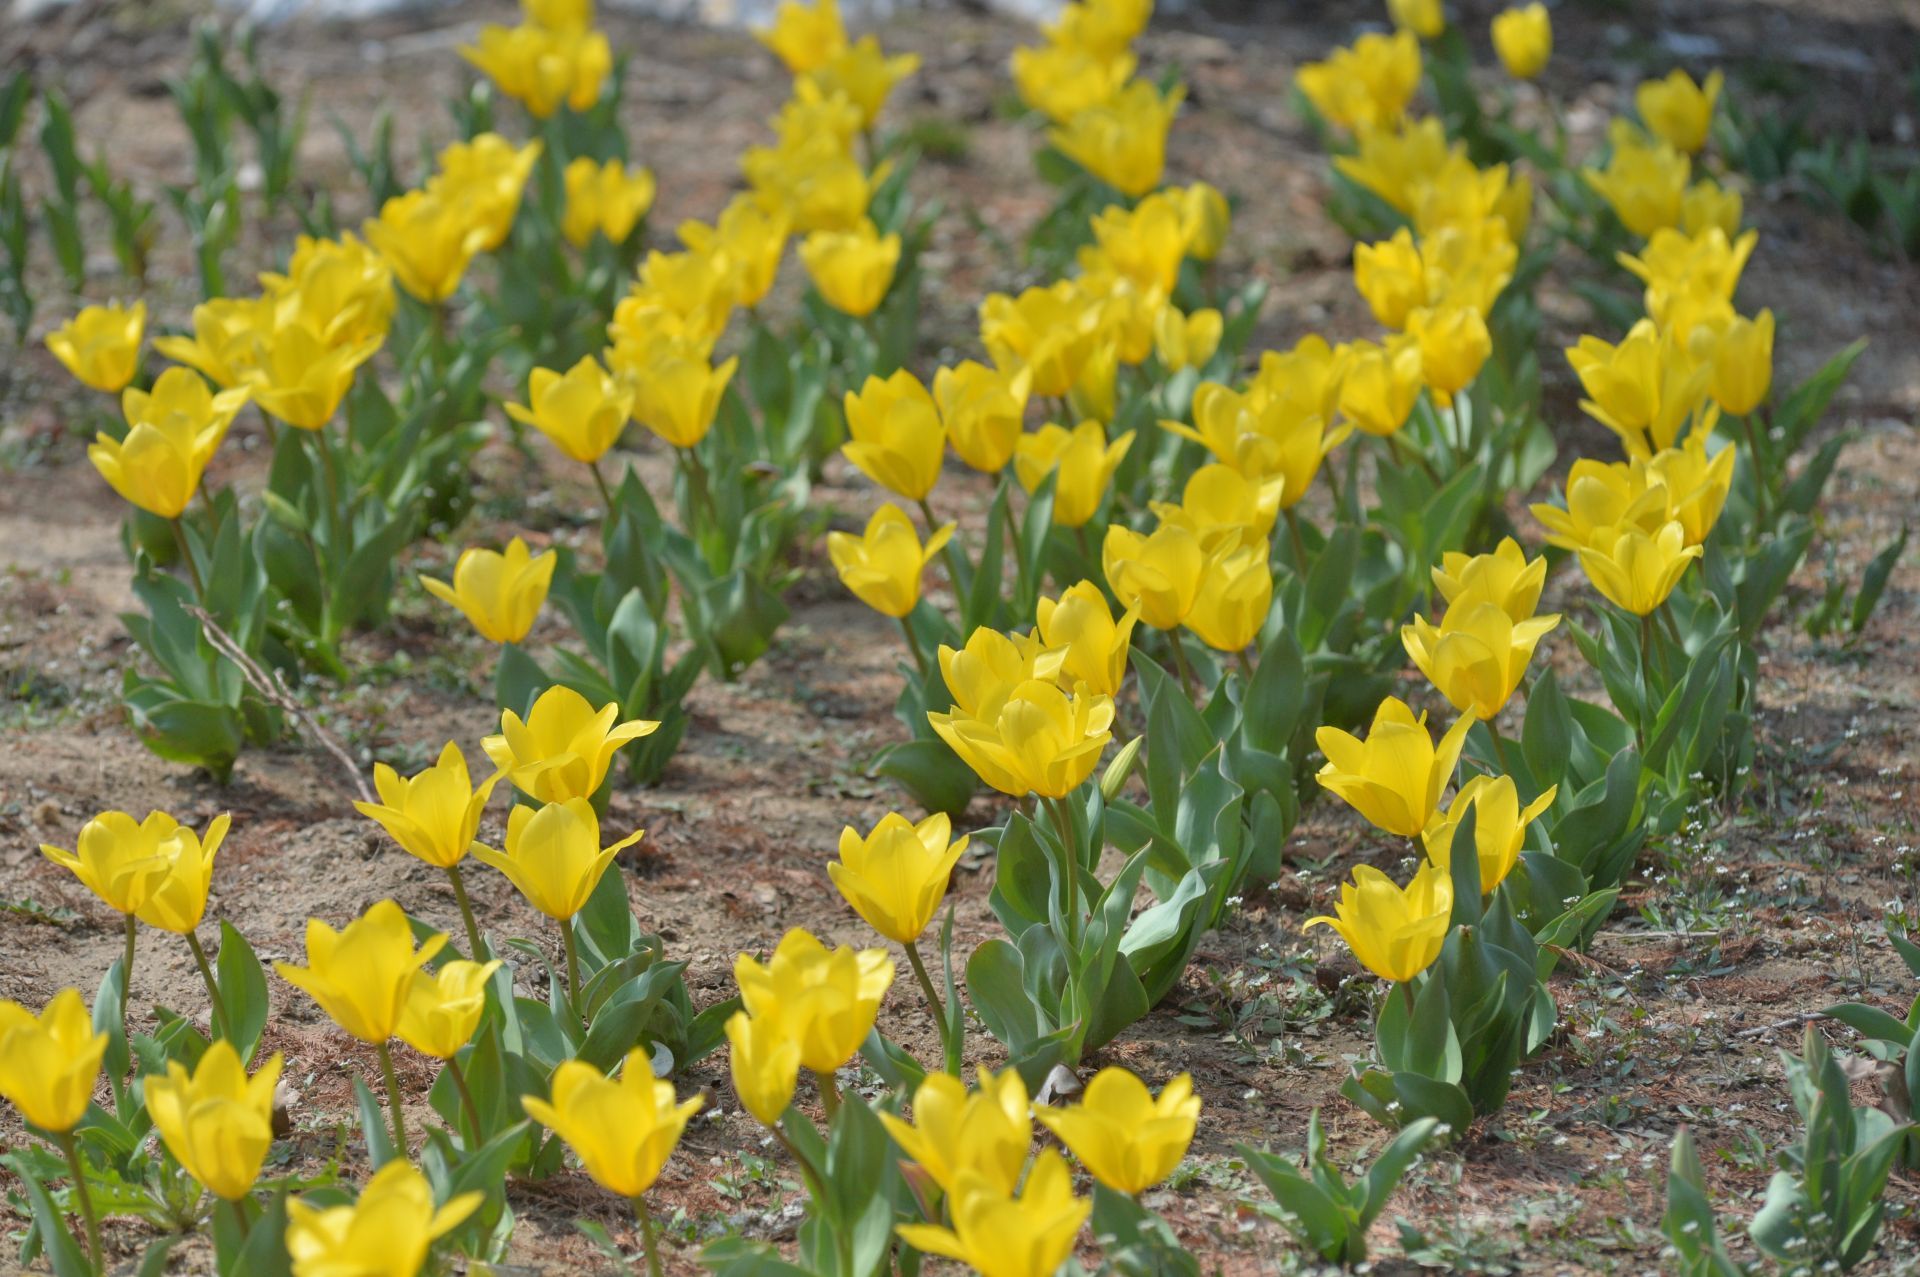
1790	1022
274	688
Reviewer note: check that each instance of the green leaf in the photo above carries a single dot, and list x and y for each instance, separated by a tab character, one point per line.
62	1250
1870	1022
1873	582
373	1125
243	990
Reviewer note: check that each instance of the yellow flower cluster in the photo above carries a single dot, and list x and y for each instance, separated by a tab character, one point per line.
552	57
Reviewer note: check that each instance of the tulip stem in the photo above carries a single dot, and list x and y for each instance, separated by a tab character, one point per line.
956	571
239	1206
600	482
1299	542
573	966
1070	863
829	1093
71	1148
466	912
466	1098
1180	663
213	988
913	645
1499	747
126	969
647	1237
393	1099
1246	664
1762	480
186	557
949	1049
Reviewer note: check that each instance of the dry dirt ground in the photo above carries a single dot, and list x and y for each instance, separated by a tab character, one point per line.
1724	938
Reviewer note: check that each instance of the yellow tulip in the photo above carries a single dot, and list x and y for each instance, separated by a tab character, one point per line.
1466	262
428	242
677	396
1127	314
362	974
1477	655
1707	205
1391	278
559	15
172	434
1637	571
1422	17
228	338
865	75
301	380
1602	498
1690	274
1038	740
1263	439
1743	363
120	861
554	856
1398	161
1382	385
1001	1235
1394	778
896	876
822	1000
1095	395
608	198
1145	243
340	288
1676	110
623	1131
1454	346
1645	389
49	1062
697	287
541	68
216	1121
1207	218
500	593
1096	644
444	1006
981	675
749	238
582	412
1236	592
883	566
815	183
853	269
1048	331
1395	934
1082	457
1104	26
897	437
1696	486
435	814
805	36
100	346
986	1132
1156	575
1187	341
179	900
387	1232
564	746
765	1064
1499	826
1366	87
1503	577
1125	1136
1123	141
484	178
984	410
1219	504
1523	37
1645	183
1061	81
1299	382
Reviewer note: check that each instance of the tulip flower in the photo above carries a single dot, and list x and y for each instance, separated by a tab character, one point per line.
120	860
1061	81
983	410
1096	644
1454	345
1395	934
428	241
1206	217
1523	37
1366	87
500	593
897	439
1644	183
1637	571
986	1132
1399	161
1382	385
484	177
554	856
543	69
179	899
883	565
1145	243
1696	487
1236	592
559	15
1676	110
805	36
1394	778
1267	436
172	434
1743	363
749	238
564	746
1094	395
339	289
765	1065
1390	276
1499	829
1645	389
1127	1138
226	345
1690	277
815	182
608	198
443	1007
1038	740
301	379
100	346
1001	1235
387	1232
1103	26
622	1131
983	673
678	396
896	876
699	287
1600	499
1422	17
48	1066
852	269
1504	577
1187	341
582	413
1477	655
1083	459
435	817
865	75
216	1121
1123	141
1049	332
1707	205
823	1000
1157	575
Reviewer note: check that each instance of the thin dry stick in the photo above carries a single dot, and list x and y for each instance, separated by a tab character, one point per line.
270	685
